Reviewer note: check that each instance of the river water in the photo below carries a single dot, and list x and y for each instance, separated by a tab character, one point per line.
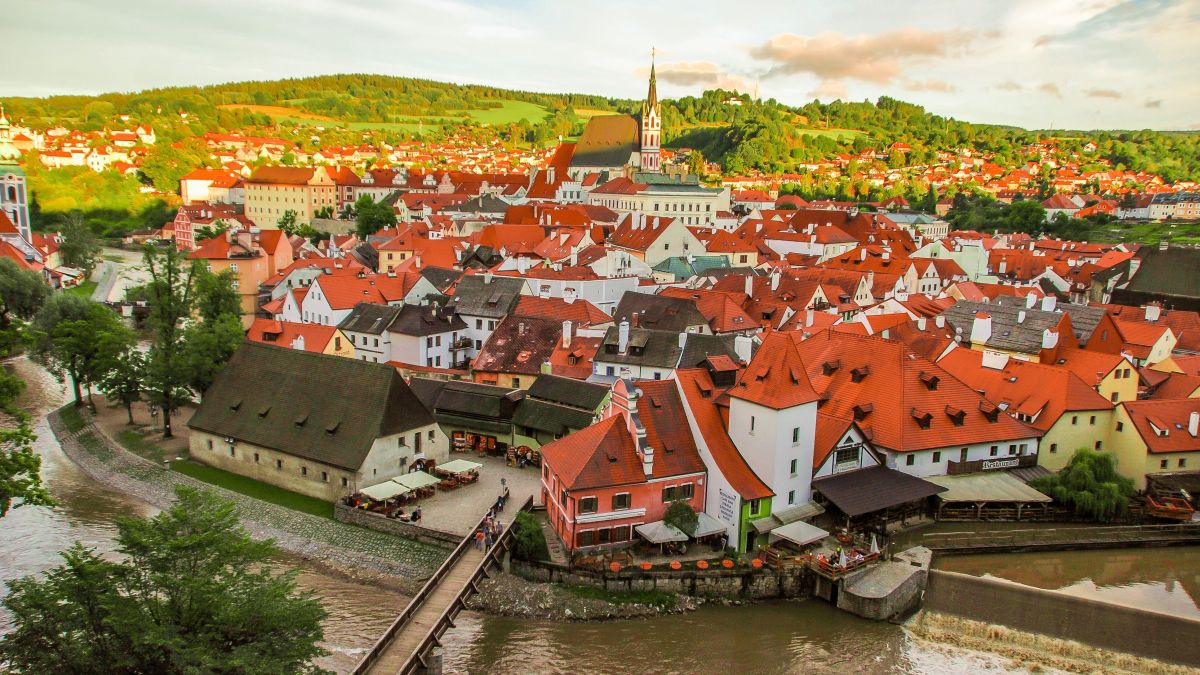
776	637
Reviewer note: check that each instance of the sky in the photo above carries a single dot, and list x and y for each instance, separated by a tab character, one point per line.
1077	64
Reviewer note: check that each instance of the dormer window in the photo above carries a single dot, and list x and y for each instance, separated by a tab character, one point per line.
929	380
861	411
924	419
956	415
859	374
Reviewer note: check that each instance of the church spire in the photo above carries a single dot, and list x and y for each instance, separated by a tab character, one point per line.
652	95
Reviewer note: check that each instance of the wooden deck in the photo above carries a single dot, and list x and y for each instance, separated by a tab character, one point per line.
399	652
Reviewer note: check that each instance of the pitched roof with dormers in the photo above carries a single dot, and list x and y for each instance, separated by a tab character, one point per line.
1163	425
703	401
776	377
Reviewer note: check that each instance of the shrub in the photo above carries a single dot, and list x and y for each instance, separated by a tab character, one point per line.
681	515
1090	485
529	543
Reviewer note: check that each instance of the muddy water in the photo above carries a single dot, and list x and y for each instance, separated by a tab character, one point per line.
783	637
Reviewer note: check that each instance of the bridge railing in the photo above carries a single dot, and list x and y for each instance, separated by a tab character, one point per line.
430	586
1058	535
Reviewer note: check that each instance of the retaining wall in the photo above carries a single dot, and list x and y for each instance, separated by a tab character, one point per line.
749	584
1035	610
372	521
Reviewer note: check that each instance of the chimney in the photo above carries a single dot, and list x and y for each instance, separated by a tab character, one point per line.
1030	300
994	360
683	339
566	335
623	337
775	275
808	317
521	328
546	368
1153	311
750	285
920	323
487	277
1049	338
886	255
648	460
1021	316
981	328
1164	245
1194	423
939	321
1049	303
742	346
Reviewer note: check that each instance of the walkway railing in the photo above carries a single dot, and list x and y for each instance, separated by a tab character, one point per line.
1062	536
447	617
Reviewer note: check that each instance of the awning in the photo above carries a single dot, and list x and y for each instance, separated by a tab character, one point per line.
459	466
995	486
416	480
659	532
385	490
799	533
788	515
707	525
873	489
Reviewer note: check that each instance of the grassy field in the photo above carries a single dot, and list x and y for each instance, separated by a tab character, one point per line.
83	290
1146	233
509	112
587	113
71	418
835	134
256	489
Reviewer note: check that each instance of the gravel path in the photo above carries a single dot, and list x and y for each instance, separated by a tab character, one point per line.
355	551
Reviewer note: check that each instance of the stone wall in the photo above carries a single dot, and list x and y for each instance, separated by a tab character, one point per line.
1034	610
374	521
760	584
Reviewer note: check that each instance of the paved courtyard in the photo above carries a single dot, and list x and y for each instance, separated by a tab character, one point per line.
459	510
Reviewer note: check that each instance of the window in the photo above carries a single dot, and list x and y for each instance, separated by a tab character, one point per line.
402	443
1116	396
516	382
1099	444
603	536
587	505
478	324
1120	426
791	497
1182	462
669	494
937	456
1053	448
587	538
304	471
279	464
345	482
1162	464
752	424
845	456
620	533
755	506
620	501
210	445
687	491
325	476
795	437
256	458
1012	449
994	450
1074	419
793	467
431	434
232	453
337	343
910	460
1092	421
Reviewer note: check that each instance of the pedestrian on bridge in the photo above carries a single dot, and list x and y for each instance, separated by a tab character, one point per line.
479	539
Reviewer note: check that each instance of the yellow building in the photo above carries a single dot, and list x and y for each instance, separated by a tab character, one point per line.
1156	436
1114	377
252	257
272	191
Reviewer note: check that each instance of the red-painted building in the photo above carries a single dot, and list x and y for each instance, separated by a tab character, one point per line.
601	482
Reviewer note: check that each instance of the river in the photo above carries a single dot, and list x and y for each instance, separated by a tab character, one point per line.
775	637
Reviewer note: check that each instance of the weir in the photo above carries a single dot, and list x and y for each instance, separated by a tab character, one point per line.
1116	627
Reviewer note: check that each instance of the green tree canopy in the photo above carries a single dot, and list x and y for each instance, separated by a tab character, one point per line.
171	294
680	514
22	292
192	593
72	337
80	247
372	216
1090	485
20	480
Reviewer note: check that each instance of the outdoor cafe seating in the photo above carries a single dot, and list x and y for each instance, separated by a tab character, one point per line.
457	472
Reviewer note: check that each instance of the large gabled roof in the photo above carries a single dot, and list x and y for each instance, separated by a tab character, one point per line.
776	377
601	455
702	395
328	409
607	141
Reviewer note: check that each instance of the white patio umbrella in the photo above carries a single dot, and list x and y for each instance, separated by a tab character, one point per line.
842	559
874	545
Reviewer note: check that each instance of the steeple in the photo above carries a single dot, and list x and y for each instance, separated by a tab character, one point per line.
9	154
650	159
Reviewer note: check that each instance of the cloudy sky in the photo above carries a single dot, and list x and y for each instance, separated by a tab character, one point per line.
1034	63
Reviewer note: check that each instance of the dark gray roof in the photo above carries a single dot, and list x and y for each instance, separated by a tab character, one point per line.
427	320
1007	332
370	318
657	348
1170	272
482	204
475	296
658	312
366	254
873	489
1084	318
441	277
607	141
552	417
484	406
699	347
328	409
566	391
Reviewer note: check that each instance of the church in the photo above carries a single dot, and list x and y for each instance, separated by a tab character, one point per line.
15	228
614	144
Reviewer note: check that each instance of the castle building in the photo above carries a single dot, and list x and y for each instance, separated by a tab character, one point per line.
14	193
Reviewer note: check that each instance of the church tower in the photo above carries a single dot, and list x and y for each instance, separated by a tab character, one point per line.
651	160
14	197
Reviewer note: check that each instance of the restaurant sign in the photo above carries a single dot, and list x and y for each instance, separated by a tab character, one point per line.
1013	463
727	508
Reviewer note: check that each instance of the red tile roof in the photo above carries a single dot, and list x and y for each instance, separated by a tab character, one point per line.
775	377
601	455
701	396
661	411
581	312
284	333
1152	418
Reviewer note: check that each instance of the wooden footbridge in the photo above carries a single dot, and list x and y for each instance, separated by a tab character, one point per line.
407	644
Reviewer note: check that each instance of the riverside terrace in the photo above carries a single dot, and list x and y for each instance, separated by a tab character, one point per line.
458	511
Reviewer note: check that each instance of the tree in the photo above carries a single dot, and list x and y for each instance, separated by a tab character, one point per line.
20	466
122	380
529	542
22	292
695	163
1090	485
287	222
166	164
207	347
324	212
215	295
171	295
80	247
681	515
372	216
192	593
72	336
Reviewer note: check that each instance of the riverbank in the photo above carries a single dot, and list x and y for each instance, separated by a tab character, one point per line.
350	552
512	596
